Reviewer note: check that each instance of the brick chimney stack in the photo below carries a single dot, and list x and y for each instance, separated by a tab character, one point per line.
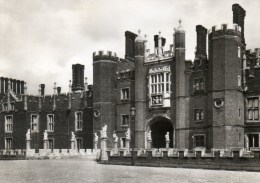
42	89
239	18
201	42
129	45
59	90
77	77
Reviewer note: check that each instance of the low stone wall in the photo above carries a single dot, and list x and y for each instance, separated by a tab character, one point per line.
16	154
62	153
233	159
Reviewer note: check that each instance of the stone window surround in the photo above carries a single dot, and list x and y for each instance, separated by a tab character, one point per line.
196	135
247	140
249	120
122	95
48	123
163	84
11	124
4	106
194	86
125	125
36	123
76	142
53	141
10	145
80	121
194	113
122	142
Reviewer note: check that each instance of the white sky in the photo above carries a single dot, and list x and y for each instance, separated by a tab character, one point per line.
40	40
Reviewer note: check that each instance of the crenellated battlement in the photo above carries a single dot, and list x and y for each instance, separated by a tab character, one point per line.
233	159
102	55
226	29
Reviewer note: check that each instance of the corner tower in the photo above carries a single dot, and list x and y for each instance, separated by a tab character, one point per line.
140	91
104	69
178	88
225	97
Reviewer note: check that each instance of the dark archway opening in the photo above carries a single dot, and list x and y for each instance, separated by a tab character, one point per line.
159	129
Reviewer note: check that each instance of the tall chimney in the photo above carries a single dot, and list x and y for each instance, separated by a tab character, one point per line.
42	89
55	89
39	93
54	94
6	85
8	95
70	90
239	18
77	77
2	85
18	87
39	90
159	45
129	45
25	95
14	86
201	42
86	84
155	38
58	90
22	87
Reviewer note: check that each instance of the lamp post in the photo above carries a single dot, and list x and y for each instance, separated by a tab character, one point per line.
132	112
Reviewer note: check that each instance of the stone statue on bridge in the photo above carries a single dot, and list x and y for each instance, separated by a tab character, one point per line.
128	134
167	138
115	137
28	134
96	137
72	136
104	132
45	135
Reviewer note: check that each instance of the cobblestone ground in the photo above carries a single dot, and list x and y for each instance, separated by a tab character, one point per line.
83	170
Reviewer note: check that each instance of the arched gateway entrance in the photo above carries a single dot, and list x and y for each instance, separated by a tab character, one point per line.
159	127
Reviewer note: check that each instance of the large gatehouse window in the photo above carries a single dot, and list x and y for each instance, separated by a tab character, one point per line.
159	85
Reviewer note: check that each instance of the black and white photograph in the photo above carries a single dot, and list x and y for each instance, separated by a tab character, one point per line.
129	91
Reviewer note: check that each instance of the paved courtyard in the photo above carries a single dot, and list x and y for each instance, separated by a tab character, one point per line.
83	170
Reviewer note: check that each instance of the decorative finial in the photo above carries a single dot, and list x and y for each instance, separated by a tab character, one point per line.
145	36
139	31
160	32
180	22
180	28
